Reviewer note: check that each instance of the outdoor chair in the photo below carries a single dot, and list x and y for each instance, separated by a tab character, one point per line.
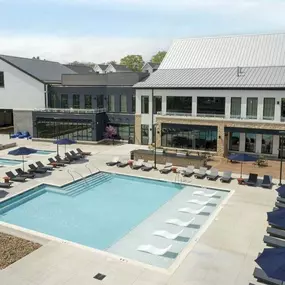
83	152
41	165
273	242
56	163
202	173
227	176
266	182
214	174
280	199
113	162
65	161
147	166
123	163
188	171
76	154
34	169
274	232
280	205
22	173
252	179
5	185
260	276
137	164
154	250
167	168
15	178
69	157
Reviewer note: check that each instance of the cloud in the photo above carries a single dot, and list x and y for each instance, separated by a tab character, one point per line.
68	49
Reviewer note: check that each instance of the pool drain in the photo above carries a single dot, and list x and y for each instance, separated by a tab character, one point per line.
99	276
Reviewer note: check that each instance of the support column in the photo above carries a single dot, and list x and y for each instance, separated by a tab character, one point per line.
158	135
242	142
275	147
138	130
221	140
243	107
258	143
228	108
194	106
163	104
260	108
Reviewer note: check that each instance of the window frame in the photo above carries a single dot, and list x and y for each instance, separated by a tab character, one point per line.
2	79
73	99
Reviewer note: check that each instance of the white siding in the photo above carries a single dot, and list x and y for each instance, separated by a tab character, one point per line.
21	90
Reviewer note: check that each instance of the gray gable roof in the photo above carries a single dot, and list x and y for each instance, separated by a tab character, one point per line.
43	70
153	65
103	66
121	68
246	77
80	68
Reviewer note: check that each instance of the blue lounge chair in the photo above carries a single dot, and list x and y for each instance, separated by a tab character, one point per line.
24	135
16	135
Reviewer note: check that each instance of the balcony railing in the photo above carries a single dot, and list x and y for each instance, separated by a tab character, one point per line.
174	114
251	117
235	117
269	118
71	110
222	116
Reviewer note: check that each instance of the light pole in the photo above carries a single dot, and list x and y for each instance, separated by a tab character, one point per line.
281	133
154	146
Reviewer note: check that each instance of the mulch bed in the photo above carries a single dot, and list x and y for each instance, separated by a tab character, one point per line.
14	248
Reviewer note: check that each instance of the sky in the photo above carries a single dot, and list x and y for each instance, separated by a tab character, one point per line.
104	30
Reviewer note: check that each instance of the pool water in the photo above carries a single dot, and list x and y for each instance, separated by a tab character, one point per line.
44	152
96	212
9	162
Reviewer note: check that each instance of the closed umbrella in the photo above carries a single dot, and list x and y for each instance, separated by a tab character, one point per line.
277	218
281	191
64	141
22	151
272	262
242	157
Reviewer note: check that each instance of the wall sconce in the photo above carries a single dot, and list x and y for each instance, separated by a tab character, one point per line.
220	137
278	102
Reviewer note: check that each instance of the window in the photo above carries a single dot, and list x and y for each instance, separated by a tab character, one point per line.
76	101
144	134
250	141
189	137
64	101
1	79
157	104
268	108
123	104
87	102
179	104
211	105
236	108
251	108
111	103
144	104
134	103
267	143
64	128
234	141
100	101
52	100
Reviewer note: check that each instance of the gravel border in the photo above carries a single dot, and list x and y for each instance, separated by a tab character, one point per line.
13	248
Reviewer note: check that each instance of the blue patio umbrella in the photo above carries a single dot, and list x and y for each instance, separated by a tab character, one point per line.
64	141
281	191
242	157
272	262
22	151
277	218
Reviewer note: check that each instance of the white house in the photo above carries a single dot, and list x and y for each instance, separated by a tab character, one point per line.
100	68
218	94
112	67
150	67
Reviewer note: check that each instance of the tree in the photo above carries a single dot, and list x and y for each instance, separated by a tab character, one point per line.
91	64
110	133
133	62
158	58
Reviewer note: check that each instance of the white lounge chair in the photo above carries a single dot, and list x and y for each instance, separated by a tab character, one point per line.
167	234
198	202
113	162
138	164
202	193
188	171
167	168
202	173
180	223
154	250
191	211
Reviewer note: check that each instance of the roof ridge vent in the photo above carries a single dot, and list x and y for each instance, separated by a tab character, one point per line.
240	72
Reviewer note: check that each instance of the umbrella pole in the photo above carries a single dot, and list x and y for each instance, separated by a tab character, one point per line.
241	169
23	163
65	149
57	149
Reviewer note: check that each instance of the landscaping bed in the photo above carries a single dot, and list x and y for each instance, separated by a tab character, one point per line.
14	248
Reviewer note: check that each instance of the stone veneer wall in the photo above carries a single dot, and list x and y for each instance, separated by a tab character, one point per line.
222	149
138	123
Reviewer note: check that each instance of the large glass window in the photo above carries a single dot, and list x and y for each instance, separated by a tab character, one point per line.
234	141
64	128
144	134
267	144
157	104
2	79
235	108
64	101
52	100
268	108
176	104
144	104
250	142
124	132
134	103
111	103
189	137
87	101
123	104
251	108
211	105
76	101
100	101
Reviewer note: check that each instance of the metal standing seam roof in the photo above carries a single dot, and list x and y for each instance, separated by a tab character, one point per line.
249	77
43	70
227	51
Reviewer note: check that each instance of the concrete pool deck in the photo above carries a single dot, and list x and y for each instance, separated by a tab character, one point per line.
224	254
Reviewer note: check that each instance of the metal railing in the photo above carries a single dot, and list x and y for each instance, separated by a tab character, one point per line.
83	178
269	118
71	110
222	116
251	117
174	114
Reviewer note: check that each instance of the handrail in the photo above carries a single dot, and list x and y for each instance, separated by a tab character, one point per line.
68	171
92	166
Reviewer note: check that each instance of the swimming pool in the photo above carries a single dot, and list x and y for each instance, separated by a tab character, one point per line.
110	212
9	162
44	152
